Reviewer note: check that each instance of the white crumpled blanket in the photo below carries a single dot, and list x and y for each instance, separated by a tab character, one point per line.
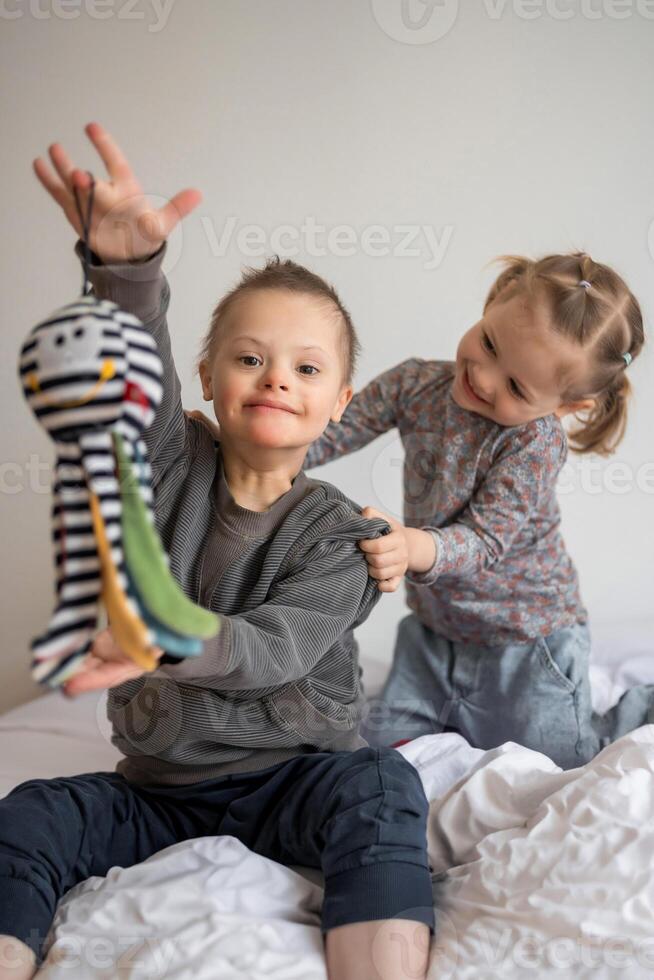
537	873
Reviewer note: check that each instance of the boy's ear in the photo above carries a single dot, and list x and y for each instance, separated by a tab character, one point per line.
343	401
205	378
573	407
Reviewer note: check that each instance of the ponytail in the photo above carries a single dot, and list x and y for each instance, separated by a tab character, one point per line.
603	428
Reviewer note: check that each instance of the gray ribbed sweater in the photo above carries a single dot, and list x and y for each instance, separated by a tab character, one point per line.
282	676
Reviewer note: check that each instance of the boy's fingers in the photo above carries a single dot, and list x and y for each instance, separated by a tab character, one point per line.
53	186
81	180
105	675
389	585
177	209
112	156
62	164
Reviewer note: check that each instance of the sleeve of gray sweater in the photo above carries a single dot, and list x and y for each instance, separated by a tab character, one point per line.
327	593
141	288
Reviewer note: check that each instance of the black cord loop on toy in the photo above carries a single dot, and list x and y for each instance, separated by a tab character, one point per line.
86	225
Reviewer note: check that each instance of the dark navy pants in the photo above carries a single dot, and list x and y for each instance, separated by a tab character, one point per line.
359	816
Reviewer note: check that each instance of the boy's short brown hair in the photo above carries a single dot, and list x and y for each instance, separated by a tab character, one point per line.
285	274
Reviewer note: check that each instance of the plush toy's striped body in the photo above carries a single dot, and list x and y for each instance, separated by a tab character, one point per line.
92	376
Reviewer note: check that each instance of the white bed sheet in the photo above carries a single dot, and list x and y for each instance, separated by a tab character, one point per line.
56	736
519	839
548	875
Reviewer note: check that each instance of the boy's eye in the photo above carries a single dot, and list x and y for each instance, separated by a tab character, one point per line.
250	358
486	342
513	388
311	367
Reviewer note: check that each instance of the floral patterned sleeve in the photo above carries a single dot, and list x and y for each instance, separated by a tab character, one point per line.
526	467
372	411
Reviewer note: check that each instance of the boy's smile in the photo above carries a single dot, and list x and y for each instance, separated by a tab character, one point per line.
273	406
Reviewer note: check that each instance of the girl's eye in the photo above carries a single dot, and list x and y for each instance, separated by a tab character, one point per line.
487	343
311	366
249	357
513	388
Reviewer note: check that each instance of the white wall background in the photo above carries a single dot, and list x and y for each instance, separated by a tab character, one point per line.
499	126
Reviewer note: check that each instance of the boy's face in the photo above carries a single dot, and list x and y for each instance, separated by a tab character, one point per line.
277	375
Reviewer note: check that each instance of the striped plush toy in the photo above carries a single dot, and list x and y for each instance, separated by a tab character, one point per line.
92	376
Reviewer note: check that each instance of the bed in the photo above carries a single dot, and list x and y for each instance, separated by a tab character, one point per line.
536	872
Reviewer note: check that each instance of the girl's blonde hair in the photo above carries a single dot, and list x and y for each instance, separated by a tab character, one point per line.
605	318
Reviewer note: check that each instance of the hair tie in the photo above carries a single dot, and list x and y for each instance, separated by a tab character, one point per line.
627	358
584	283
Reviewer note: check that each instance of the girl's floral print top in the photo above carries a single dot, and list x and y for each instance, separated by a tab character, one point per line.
487	493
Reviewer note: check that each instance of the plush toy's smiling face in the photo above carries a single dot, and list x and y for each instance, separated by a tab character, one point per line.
71	355
73	368
71	345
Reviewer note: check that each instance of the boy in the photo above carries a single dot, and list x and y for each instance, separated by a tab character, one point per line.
258	736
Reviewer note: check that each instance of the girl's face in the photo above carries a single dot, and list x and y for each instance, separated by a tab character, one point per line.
512	368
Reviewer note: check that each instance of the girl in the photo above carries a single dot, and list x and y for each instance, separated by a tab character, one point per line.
496	645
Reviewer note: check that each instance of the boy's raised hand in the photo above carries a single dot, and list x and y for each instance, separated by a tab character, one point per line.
105	666
387	556
124	224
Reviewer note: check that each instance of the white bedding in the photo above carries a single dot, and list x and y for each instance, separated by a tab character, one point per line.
532	855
